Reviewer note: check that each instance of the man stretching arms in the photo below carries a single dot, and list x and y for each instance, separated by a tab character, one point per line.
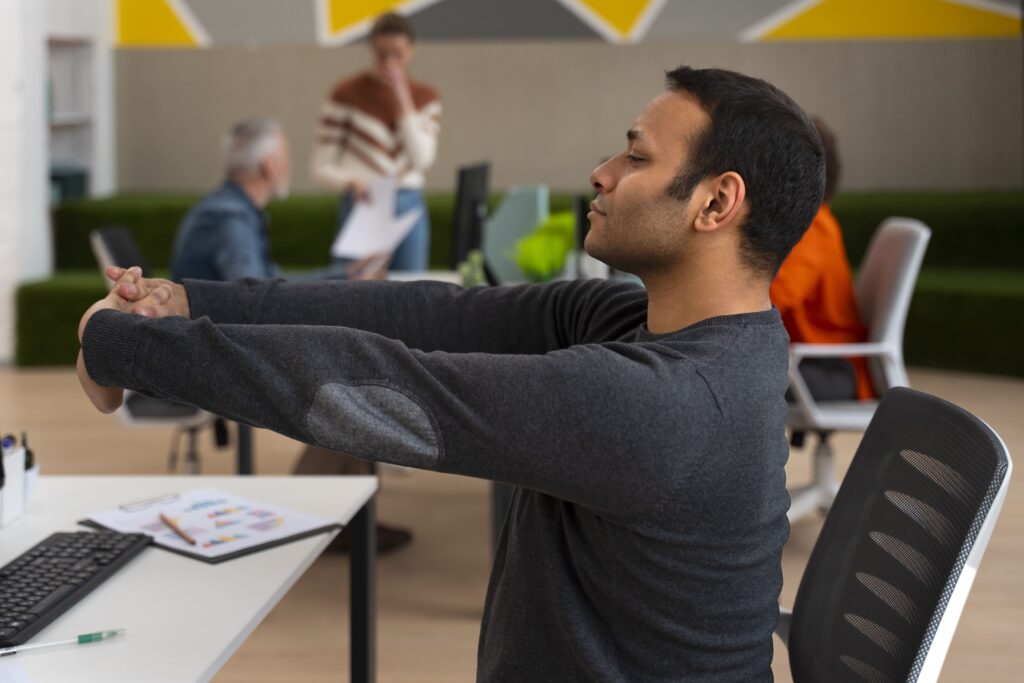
645	428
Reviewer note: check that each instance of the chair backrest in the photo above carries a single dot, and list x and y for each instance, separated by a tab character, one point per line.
885	285
115	246
890	572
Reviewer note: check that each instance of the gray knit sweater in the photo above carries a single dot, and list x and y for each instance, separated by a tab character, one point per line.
644	542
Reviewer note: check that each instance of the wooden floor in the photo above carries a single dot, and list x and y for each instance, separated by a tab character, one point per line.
431	594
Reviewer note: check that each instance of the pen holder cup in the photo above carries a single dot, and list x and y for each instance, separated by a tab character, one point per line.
12	494
31	481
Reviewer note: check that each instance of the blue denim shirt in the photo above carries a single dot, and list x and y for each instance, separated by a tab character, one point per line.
224	237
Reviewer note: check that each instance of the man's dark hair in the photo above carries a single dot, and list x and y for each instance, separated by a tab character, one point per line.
759	132
833	167
392	24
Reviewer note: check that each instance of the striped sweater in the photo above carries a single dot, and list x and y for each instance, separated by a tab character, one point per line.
363	134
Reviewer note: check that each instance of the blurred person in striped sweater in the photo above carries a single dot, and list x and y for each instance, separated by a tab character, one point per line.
381	123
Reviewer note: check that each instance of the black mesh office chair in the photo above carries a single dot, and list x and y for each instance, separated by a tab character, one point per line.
115	246
890	572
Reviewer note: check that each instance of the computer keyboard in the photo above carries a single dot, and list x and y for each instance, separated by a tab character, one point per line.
48	579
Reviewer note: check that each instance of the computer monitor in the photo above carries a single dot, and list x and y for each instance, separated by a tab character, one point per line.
470	211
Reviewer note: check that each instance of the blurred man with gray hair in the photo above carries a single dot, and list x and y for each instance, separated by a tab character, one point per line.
225	236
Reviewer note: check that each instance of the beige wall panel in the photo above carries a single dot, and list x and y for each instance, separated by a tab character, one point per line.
909	114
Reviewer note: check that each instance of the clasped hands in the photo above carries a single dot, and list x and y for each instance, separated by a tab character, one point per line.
131	293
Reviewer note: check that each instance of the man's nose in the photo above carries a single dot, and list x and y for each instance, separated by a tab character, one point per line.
602	178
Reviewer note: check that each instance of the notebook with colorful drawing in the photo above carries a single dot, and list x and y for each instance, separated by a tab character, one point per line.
224	526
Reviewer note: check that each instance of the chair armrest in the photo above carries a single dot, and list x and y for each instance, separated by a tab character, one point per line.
803	401
785	621
800	351
891	358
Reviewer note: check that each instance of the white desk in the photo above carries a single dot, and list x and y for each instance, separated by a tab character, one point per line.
452	277
185	617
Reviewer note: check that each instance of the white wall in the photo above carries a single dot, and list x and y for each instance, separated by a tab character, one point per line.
25	251
908	114
86	28
29	32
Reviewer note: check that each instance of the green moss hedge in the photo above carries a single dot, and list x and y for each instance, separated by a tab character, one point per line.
302	228
967	312
972	320
969	229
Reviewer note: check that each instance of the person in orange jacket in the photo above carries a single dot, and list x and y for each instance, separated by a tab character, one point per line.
813	291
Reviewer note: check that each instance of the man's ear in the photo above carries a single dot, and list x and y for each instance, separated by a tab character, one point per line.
266	167
723	198
269	166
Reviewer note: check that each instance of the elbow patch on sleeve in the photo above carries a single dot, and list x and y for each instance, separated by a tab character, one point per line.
374	422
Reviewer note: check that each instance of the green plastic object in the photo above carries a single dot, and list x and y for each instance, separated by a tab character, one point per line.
472	269
541	254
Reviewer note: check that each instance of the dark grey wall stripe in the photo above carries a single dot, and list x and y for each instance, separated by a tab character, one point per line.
239	22
489	19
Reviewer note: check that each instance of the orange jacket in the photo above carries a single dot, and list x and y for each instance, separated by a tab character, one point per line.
814	293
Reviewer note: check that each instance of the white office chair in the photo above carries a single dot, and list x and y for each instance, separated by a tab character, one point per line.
890	572
115	246
885	284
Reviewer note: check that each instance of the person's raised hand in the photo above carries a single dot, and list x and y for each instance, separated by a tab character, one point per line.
150	297
112	300
398	81
373	267
106	399
360	192
131	293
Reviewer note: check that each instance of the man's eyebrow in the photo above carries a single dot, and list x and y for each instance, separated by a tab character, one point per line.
633	134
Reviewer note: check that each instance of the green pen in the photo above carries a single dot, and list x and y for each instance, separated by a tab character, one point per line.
80	640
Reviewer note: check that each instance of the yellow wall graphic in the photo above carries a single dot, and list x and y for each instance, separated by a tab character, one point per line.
154	23
855	19
199	23
622	15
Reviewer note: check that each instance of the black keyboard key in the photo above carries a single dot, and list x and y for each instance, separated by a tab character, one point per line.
52	599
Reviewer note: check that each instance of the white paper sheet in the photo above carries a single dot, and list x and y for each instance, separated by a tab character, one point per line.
372	227
221	523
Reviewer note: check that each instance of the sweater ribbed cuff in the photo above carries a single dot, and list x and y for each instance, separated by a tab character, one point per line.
108	347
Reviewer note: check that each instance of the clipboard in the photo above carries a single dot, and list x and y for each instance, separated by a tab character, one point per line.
224	526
